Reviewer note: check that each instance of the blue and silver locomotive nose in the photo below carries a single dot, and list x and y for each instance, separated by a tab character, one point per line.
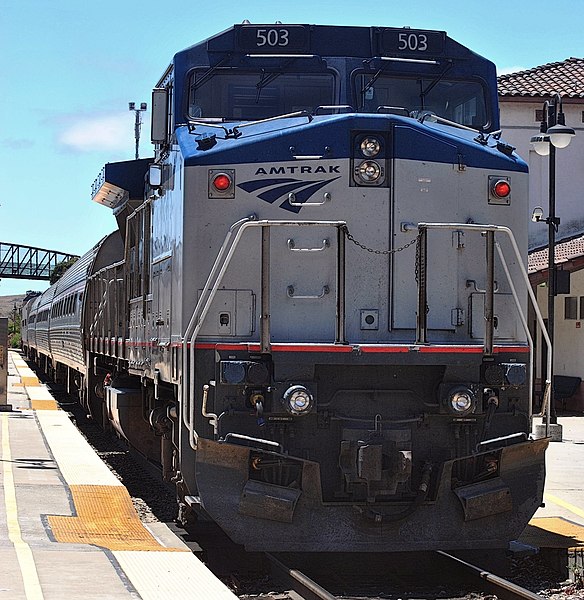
303	319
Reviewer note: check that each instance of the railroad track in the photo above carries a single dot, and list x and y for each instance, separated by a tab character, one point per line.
476	579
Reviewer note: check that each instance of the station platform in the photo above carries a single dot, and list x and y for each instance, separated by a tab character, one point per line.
68	529
559	523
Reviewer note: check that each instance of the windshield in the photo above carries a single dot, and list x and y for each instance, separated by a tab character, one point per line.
250	96
459	101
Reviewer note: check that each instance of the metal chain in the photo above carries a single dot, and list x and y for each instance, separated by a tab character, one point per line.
345	230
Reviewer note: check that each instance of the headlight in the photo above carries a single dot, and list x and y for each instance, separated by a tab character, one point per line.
368	172
370	147
239	372
298	400
233	372
461	401
515	373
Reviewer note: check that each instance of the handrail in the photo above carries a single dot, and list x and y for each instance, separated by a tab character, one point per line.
212	284
523	322
101	282
103	303
228	249
326	197
192	322
111	267
292	293
292	246
505	230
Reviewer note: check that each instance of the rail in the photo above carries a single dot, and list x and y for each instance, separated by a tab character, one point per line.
502	588
298	581
489	231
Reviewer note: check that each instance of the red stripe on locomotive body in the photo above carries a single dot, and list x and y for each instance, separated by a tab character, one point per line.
473	349
372	349
384	349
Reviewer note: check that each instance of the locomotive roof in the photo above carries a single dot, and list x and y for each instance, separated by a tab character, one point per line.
412	51
329	40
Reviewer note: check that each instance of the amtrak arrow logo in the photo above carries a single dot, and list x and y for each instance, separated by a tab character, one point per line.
276	189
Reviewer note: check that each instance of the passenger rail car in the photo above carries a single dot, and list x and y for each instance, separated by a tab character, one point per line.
315	324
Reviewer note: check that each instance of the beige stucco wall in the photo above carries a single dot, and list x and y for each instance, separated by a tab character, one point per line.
518	124
569	334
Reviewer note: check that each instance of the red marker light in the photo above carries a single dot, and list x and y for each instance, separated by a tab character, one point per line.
502	189
222	182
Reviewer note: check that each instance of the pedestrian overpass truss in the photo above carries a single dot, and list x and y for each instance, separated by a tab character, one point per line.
28	262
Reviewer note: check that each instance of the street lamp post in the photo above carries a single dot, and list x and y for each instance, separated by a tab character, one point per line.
553	134
138	122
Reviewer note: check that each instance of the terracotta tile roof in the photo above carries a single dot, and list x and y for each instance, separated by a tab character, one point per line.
566	77
565	251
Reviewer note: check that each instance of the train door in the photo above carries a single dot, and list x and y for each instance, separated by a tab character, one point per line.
424	192
303	287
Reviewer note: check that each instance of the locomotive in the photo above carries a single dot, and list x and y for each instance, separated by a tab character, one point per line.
308	316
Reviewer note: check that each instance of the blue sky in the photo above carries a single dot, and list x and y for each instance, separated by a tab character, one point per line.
69	68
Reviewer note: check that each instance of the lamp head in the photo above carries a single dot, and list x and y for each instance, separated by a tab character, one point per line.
541	144
560	135
537	214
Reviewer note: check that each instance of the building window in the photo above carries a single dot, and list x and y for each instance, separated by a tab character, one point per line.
571	307
581	308
539	114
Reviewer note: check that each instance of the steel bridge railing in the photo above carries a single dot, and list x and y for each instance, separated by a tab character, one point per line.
28	262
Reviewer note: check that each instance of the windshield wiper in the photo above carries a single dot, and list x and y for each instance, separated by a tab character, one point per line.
265	79
209	72
433	83
432	117
370	83
235	132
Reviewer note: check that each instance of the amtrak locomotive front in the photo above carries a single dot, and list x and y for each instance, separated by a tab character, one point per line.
313	315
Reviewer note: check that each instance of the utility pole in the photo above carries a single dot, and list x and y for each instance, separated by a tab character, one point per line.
138	123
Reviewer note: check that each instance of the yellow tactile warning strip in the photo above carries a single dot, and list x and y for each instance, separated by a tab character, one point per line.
44	405
26	374
553	532
105	517
40	398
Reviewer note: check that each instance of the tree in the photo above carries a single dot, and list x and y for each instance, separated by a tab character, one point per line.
14	337
60	269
